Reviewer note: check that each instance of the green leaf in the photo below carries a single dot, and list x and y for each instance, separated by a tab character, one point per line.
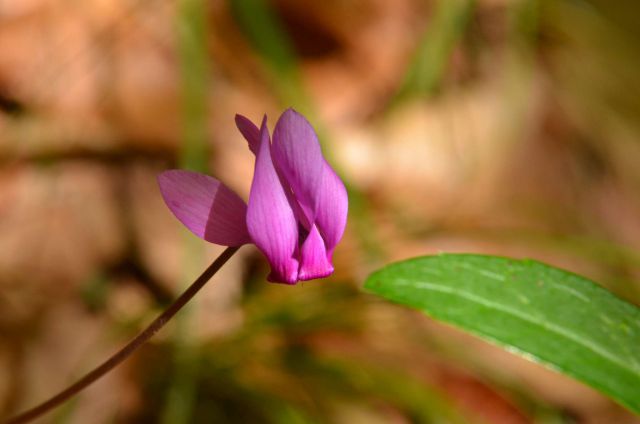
544	314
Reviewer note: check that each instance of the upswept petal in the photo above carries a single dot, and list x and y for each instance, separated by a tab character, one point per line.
249	131
313	257
270	219
208	208
298	157
333	205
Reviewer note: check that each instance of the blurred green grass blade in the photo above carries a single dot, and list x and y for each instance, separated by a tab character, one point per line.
554	317
268	37
263	28
444	32
191	27
191	30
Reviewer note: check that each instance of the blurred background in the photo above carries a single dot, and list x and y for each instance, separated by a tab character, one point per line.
508	127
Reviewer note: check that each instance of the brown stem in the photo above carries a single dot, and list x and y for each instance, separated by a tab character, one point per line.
134	344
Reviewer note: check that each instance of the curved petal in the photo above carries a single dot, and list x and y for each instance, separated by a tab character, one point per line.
313	257
208	208
298	157
249	131
333	205
270	219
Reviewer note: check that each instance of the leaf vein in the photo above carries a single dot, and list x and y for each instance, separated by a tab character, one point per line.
528	318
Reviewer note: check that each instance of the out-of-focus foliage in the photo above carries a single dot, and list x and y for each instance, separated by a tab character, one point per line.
505	127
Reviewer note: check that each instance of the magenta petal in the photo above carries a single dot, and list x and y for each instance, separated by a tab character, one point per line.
270	219
249	131
313	257
205	206
333	205
297	154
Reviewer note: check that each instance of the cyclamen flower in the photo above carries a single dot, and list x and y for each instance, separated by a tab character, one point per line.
297	208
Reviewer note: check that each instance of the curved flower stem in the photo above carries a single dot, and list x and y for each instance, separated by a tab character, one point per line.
131	347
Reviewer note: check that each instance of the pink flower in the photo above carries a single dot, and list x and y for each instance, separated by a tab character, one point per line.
297	208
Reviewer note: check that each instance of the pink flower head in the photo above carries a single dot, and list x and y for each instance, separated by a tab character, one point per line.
297	208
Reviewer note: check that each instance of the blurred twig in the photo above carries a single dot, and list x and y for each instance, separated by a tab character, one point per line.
116	157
